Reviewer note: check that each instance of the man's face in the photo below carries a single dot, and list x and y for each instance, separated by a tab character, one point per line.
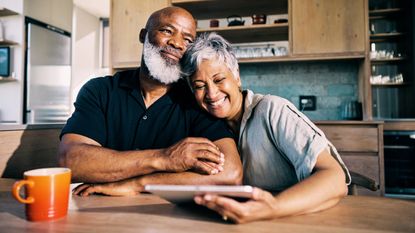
173	33
167	39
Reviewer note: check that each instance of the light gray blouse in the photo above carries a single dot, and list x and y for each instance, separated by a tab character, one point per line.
278	144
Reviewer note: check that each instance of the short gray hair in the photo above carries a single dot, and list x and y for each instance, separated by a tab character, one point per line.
208	46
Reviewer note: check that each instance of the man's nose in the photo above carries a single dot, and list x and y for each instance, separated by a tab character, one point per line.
177	42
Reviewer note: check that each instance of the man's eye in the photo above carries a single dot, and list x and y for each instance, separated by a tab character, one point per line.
167	31
189	41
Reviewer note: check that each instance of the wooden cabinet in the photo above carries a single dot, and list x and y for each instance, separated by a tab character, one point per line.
360	145
391	25
127	18
327	26
347	17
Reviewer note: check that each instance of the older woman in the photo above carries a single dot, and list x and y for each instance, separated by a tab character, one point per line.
281	150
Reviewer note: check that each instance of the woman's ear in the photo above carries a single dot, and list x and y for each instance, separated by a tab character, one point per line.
143	33
238	79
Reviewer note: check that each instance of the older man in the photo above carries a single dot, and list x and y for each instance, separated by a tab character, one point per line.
143	126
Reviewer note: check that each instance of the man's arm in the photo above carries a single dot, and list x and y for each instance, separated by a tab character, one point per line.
92	163
231	175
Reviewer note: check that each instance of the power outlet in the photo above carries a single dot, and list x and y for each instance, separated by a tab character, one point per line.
307	103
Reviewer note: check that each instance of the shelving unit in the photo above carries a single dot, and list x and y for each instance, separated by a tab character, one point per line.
208	9
7	79
8	43
6	12
249	33
391	35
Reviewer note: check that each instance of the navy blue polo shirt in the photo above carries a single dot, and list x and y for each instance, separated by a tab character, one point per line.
111	111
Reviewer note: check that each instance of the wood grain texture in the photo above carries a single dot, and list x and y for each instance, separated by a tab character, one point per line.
327	26
360	145
22	150
352	138
127	18
149	213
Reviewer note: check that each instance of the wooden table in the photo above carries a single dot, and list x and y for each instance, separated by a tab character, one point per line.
149	213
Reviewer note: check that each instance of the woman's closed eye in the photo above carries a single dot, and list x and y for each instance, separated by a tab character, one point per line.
219	80
198	86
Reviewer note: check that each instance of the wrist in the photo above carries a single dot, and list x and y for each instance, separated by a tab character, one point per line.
158	160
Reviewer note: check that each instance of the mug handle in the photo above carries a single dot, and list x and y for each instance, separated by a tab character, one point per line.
16	191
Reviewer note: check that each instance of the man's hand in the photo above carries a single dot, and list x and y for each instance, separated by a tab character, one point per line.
121	188
197	154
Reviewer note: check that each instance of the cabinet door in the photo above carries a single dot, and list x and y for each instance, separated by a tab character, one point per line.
126	20
327	26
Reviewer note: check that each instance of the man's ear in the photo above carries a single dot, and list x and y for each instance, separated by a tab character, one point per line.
143	33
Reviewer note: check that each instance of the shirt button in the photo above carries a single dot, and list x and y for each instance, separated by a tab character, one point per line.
145	117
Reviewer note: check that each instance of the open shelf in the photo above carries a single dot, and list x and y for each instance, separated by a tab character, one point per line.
8	42
386	60
384	11
7	12
210	9
250	33
386	35
292	58
5	79
388	84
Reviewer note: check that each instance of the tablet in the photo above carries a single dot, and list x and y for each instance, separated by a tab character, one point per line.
185	193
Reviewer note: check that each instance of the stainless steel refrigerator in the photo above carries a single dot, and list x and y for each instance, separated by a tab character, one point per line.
47	74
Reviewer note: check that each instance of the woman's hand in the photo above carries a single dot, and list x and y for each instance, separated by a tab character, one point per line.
262	206
121	188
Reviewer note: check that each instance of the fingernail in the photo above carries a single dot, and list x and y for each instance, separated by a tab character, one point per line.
222	155
208	197
214	171
220	168
222	160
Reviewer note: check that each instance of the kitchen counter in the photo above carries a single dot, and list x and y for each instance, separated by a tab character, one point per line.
34	126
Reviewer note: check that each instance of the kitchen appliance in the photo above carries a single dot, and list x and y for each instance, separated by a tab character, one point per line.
399	153
47	73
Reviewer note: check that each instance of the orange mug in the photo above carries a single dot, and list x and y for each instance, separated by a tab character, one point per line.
47	193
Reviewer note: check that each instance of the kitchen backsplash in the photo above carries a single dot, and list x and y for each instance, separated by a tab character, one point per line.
334	83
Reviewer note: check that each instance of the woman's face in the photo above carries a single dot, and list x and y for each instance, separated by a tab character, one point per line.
217	90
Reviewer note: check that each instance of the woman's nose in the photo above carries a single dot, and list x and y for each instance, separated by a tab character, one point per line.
212	90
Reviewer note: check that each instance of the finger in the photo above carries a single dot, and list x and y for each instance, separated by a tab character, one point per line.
223	206
259	194
90	190
204	168
208	155
219	167
80	188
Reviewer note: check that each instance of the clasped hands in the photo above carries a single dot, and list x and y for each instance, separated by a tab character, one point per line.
190	154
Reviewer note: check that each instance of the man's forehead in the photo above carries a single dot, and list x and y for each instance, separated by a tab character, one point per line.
175	18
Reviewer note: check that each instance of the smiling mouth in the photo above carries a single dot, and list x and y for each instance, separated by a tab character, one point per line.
217	102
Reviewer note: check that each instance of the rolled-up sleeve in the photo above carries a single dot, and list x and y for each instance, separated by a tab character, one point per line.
299	140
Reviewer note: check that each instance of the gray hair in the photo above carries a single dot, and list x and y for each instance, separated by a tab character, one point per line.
208	46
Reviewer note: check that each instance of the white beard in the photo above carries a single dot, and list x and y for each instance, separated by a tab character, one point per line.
158	67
